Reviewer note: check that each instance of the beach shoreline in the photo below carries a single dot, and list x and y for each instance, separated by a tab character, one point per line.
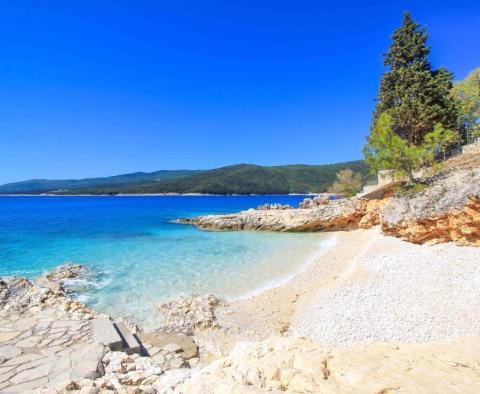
155	195
313	327
358	273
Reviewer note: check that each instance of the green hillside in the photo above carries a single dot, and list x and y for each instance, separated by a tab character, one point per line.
240	179
36	186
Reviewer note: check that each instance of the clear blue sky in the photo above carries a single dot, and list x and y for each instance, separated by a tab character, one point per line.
94	88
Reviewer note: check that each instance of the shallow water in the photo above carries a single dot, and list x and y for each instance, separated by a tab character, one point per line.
138	257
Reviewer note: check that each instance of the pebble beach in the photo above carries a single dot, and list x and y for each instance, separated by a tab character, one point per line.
372	288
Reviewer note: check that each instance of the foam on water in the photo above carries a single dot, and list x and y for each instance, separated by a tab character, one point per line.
323	247
137	257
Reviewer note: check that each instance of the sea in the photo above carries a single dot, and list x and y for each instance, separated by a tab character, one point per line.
137	255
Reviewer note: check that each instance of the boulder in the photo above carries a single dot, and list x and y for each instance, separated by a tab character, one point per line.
187	314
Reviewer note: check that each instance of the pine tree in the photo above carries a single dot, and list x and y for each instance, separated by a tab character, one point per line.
386	150
414	95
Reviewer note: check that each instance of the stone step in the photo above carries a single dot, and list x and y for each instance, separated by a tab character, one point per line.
103	331
130	342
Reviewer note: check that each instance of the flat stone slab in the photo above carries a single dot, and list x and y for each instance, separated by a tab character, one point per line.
43	351
9	351
103	331
28	375
162	339
8	335
132	345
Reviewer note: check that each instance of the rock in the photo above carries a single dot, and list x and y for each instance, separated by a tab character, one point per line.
266	207
170	380
62	272
177	363
4	292
7	335
172	348
302	366
309	203
187	314
193	362
24	297
31	374
448	210
9	351
340	214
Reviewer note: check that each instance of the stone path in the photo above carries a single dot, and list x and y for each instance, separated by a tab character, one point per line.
42	351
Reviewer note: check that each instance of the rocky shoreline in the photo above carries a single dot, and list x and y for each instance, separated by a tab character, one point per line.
46	346
374	309
447	210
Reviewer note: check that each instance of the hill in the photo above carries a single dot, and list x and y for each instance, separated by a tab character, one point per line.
236	179
240	179
37	186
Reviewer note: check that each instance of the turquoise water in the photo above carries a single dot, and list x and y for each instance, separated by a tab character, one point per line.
138	257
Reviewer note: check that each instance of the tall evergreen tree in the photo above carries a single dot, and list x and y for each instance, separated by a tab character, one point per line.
411	92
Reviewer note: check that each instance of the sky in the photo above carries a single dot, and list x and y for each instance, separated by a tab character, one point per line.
98	88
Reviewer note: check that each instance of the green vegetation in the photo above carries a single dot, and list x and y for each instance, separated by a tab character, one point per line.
411	92
241	179
437	143
419	115
348	183
467	92
36	186
386	150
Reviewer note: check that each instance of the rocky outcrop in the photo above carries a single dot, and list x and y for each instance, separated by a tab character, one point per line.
187	314
343	214
302	366
44	352
140	374
62	272
48	344
25	297
336	215
448	210
314	202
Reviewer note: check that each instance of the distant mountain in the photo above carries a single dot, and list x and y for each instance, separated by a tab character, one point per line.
37	186
236	179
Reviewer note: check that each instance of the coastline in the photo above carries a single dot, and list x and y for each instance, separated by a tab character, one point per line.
280	333
155	195
336	297
271	311
324	246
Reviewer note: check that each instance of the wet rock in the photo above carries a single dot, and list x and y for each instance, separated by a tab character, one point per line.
24	297
62	272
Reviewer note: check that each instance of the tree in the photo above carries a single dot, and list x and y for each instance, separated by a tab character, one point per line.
386	150
438	141
415	96
348	183
467	93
